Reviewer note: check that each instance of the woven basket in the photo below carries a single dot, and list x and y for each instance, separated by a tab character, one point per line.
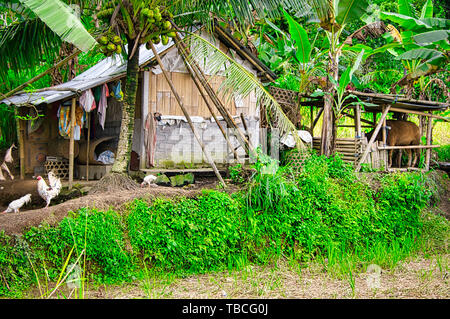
296	158
60	168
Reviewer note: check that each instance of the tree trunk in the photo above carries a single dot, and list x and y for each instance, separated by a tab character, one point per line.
122	158
328	139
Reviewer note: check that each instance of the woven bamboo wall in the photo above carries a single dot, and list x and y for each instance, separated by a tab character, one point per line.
163	101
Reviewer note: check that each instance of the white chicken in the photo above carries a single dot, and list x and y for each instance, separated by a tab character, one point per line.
51	191
17	204
149	180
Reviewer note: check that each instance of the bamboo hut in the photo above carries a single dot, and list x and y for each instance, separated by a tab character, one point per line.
357	150
163	136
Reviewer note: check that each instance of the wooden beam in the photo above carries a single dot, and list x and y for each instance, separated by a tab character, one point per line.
396	109
144	113
207	102
372	139
408	147
184	50
71	145
88	140
21	139
186	114
429	135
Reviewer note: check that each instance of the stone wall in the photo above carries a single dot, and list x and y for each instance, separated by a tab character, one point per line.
176	143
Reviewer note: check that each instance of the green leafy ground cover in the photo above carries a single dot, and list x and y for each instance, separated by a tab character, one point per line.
325	212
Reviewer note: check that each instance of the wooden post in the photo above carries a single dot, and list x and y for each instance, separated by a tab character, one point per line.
385	153
21	139
71	145
428	151
372	139
311	118
88	140
186	114
358	121
145	110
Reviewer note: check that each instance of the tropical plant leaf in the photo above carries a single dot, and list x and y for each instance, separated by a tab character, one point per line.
421	53
404	8
300	37
430	37
60	18
406	22
348	10
437	23
427	10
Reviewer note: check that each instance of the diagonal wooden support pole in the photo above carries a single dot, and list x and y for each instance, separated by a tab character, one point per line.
372	139
202	93
186	114
212	94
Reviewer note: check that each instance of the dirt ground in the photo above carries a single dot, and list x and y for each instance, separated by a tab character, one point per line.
418	278
16	223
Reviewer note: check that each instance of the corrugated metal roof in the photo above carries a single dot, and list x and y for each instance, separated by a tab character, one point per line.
106	70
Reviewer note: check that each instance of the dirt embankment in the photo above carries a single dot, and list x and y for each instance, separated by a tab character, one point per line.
18	223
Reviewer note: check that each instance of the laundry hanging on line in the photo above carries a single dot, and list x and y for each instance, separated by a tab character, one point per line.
64	113
87	101
103	105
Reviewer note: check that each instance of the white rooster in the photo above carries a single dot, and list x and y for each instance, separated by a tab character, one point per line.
17	204
51	191
149	179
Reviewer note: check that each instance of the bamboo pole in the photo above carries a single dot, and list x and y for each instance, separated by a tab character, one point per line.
21	139
358	121
212	94
372	139
385	154
208	105
186	114
88	140
428	152
71	145
408	147
396	109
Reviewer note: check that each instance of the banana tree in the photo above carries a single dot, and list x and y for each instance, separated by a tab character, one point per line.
333	16
424	42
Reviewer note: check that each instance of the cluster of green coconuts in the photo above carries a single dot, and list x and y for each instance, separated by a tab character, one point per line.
158	23
110	44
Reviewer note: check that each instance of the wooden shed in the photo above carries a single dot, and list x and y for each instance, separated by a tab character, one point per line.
358	150
162	138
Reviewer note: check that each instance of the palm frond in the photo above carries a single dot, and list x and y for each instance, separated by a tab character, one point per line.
26	44
61	19
238	82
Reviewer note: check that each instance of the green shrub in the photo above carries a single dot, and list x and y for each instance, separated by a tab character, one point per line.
102	235
443	153
187	235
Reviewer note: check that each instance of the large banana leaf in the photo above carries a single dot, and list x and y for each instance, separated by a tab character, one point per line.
421	54
406	22
60	18
427	10
348	10
299	35
437	23
404	8
430	37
